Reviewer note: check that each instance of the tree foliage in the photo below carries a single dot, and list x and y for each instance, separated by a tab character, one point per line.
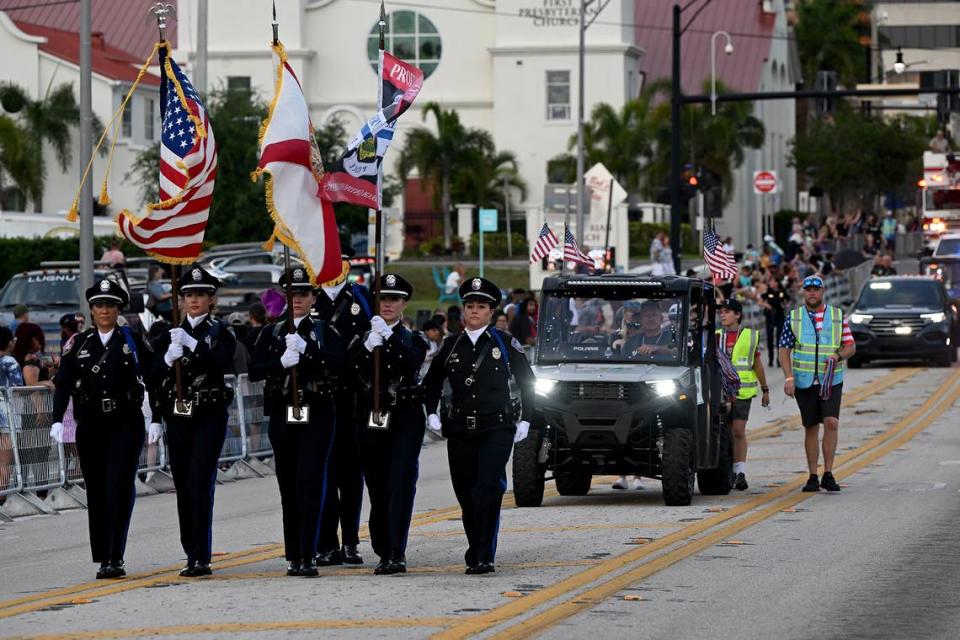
852	156
830	36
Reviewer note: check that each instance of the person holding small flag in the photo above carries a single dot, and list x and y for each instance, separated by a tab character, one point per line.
202	346
814	342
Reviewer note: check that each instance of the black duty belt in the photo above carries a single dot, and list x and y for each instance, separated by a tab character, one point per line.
473	419
405	396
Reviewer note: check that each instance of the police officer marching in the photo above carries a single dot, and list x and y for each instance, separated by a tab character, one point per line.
299	368
103	371
483	420
392	439
347	308
196	413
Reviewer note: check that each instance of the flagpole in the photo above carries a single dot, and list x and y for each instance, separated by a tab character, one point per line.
288	286
378	225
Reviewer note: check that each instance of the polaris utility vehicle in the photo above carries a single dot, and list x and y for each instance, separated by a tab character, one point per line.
627	384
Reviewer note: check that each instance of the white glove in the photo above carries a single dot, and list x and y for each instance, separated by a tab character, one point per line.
379	325
182	338
433	423
56	431
523	428
289	359
296	343
373	341
174	353
154	432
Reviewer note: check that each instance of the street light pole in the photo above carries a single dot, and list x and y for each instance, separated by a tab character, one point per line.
581	191
86	151
676	215
728	49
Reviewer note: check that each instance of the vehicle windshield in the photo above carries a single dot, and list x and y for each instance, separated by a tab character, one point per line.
942	199
949	273
901	293
42	290
630	329
948	247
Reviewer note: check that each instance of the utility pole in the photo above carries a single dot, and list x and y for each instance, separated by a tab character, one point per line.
676	215
581	192
86	151
506	211
200	73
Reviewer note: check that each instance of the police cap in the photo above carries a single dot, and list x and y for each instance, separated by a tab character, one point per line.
395	286
107	291
298	279
346	251
482	290
197	280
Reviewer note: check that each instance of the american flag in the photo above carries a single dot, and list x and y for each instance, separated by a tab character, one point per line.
546	242
721	263
172	230
571	250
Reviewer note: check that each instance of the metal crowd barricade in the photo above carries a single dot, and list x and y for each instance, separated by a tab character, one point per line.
908	245
41	464
235	444
250	398
11	480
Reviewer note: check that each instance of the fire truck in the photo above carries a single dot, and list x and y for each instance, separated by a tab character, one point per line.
940	191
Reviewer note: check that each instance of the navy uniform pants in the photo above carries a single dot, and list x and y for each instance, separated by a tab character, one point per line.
479	474
392	463
344	499
109	449
195	444
301	453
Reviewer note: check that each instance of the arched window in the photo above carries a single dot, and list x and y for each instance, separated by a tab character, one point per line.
411	37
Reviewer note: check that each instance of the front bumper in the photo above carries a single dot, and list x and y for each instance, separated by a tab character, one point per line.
930	340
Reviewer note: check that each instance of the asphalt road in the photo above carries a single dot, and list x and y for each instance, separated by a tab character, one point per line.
879	559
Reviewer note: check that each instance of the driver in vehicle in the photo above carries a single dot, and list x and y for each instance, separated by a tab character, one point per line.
645	336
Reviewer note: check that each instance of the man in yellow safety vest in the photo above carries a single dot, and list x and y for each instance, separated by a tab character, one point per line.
742	345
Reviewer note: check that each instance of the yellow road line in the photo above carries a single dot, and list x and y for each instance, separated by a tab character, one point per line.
252	627
506	612
848	464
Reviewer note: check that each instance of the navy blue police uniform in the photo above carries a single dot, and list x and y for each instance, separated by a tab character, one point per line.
349	313
195	441
391	456
105	377
479	421
301	450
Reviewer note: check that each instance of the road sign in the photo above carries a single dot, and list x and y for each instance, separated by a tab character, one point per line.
488	220
764	182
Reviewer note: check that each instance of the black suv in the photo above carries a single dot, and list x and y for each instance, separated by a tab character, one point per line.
904	318
626	385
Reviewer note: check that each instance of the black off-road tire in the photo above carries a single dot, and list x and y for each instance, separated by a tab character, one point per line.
573	483
528	474
678	476
719	481
945	359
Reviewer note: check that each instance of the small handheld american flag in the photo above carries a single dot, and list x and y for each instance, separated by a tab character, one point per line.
546	242
571	250
721	263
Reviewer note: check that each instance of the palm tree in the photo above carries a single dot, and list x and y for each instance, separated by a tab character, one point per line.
482	181
441	157
18	161
829	36
48	120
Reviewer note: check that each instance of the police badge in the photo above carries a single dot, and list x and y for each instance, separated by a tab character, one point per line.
355	308
197	275
298	274
126	349
104	286
391	280
495	353
476	284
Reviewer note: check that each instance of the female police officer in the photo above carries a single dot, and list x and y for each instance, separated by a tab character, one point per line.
391	449
103	372
483	420
197	426
301	443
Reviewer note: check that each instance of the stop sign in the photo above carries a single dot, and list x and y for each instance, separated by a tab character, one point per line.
764	182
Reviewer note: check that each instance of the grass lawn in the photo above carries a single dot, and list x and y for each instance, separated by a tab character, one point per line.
425	291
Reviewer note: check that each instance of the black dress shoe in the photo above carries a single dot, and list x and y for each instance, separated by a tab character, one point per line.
350	554
828	482
293	568
813	484
741	482
111	570
485	567
308	569
104	571
187	571
202	569
398	563
384	568
472	569
329	558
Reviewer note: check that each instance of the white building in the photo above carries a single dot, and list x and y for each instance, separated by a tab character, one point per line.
39	57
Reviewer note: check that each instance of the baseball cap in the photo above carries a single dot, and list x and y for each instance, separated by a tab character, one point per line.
732	304
813	281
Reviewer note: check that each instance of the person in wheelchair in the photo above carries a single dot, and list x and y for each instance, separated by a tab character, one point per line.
645	339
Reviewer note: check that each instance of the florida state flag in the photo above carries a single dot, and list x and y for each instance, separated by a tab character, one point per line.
354	177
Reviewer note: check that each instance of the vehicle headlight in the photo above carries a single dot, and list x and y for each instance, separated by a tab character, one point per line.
934	318
663	388
544	386
860	318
